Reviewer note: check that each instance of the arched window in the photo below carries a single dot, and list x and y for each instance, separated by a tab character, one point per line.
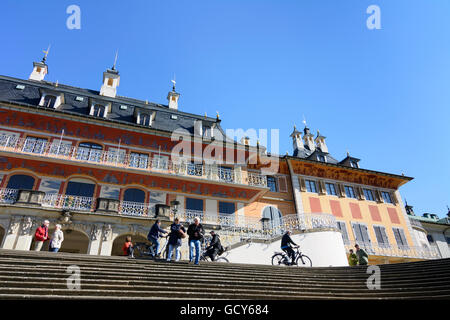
271	218
134	195
99	110
20	181
49	101
89	152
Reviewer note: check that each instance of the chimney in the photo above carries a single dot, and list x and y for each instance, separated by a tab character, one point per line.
308	139
297	141
320	142
40	69
173	96
111	80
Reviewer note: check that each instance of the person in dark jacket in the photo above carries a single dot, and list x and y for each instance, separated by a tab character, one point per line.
177	232
41	235
286	242
155	233
195	232
214	246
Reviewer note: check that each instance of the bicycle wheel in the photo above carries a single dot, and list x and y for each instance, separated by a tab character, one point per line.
222	259
278	259
304	261
138	251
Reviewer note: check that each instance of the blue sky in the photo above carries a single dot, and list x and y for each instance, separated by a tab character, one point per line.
381	94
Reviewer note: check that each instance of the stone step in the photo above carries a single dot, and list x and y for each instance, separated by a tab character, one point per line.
200	274
80	257
223	267
226	294
49	282
200	277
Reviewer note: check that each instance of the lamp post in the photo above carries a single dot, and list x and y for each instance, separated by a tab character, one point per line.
174	204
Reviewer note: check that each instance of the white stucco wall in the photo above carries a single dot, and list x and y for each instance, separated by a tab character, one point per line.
325	249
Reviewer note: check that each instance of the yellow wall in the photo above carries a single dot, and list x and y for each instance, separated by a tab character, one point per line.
365	213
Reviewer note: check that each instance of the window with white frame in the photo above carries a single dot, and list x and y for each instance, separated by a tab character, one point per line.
361	234
343	228
382	239
400	237
98	110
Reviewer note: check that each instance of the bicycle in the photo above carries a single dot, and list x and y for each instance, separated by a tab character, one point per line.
282	259
142	249
205	257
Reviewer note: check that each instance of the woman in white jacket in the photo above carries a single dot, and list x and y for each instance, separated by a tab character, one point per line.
57	239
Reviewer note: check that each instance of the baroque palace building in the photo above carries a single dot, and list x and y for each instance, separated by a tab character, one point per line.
104	166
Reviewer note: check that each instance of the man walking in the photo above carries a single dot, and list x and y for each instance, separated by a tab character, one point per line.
177	232
195	232
41	235
155	233
363	258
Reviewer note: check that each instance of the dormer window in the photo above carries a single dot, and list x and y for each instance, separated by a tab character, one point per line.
145	119
321	158
99	110
353	164
51	100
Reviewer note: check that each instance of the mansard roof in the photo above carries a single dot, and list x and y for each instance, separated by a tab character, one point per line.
165	119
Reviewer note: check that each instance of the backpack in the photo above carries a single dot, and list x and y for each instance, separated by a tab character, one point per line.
221	250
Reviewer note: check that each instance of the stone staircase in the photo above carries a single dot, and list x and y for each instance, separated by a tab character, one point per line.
43	275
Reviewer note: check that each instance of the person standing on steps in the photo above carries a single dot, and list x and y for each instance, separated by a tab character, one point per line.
155	233
286	242
363	257
177	232
195	232
41	235
352	259
56	240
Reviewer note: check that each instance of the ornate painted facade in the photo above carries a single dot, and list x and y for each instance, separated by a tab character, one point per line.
104	165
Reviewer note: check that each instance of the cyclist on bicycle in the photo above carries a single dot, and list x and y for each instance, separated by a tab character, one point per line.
155	233
286	242
214	246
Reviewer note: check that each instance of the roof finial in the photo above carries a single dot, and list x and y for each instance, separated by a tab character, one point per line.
46	53
304	121
217	115
173	82
115	60
205	115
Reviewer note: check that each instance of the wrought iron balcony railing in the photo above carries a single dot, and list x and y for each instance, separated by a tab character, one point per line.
212	172
396	251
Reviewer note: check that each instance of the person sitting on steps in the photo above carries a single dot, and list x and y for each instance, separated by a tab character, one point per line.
286	242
